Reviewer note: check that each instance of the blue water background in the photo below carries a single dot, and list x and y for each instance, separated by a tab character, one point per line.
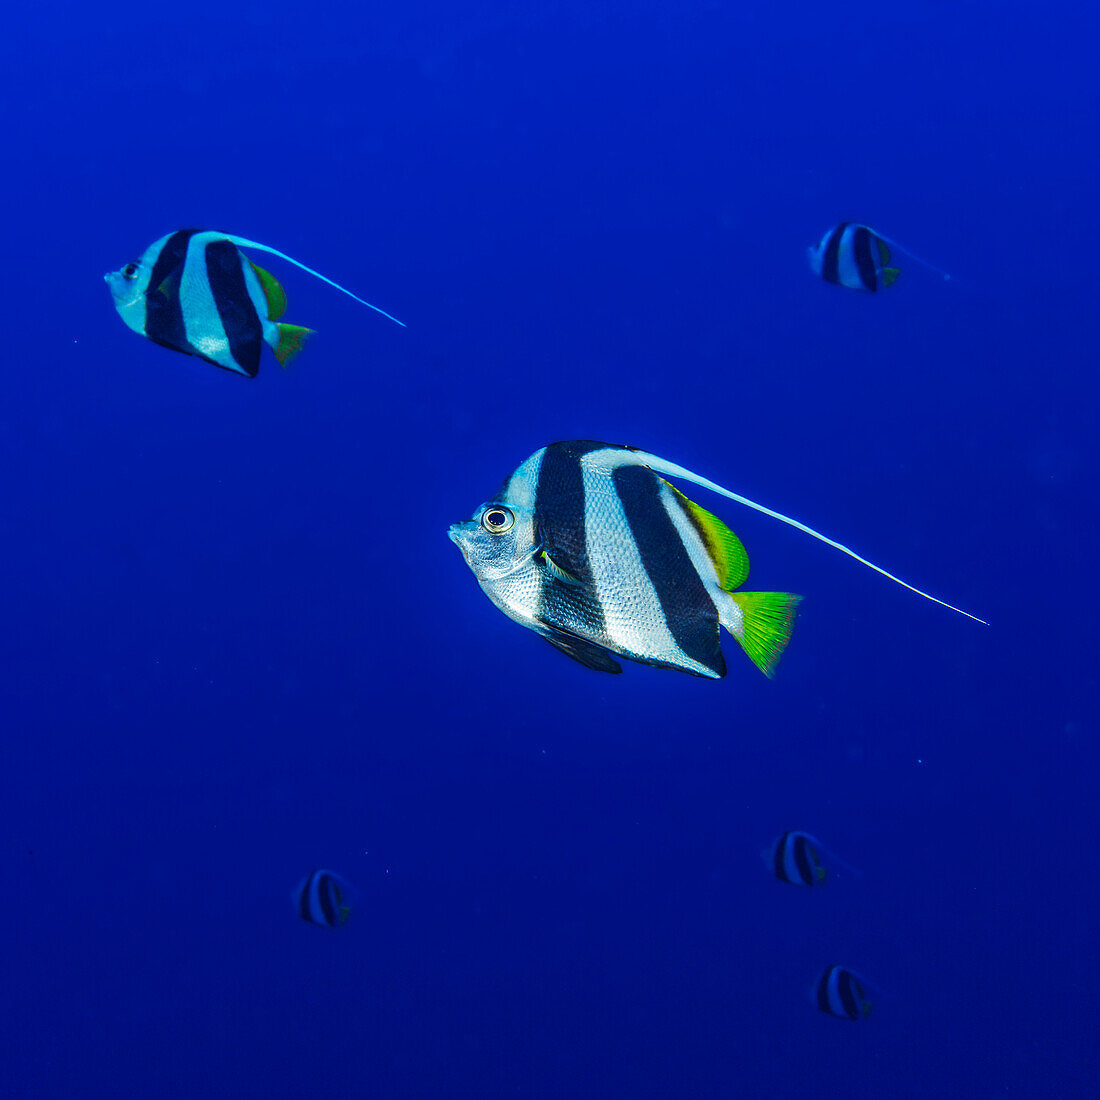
237	643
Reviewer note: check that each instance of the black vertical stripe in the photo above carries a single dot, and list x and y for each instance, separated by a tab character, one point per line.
560	528
862	240
802	860
163	312
830	265
688	609
324	897
781	857
845	983
242	324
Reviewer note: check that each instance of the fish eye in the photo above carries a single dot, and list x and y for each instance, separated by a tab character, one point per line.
497	520
129	271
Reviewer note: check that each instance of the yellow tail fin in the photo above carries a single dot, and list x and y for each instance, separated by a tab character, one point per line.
292	339
766	625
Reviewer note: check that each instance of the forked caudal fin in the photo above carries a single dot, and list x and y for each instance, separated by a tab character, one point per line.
241	242
670	469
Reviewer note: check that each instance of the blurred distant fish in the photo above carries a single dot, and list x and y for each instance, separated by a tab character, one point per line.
796	860
843	994
857	257
588	546
324	898
853	256
802	860
194	291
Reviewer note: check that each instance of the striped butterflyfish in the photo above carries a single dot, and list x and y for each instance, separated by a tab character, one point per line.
844	994
802	860
324	898
195	291
857	257
588	545
797	860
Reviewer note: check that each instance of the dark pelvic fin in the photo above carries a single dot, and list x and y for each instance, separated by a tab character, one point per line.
588	653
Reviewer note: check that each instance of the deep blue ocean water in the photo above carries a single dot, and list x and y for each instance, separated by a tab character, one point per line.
237	643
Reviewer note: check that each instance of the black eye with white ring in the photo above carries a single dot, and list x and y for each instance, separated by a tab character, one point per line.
497	520
129	271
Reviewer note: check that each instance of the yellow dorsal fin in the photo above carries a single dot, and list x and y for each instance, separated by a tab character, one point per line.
273	292
883	251
731	562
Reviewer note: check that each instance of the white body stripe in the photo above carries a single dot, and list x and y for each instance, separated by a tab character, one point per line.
524	482
201	323
259	301
633	617
847	269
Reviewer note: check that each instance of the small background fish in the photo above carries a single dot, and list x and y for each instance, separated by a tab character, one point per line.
324	898
857	257
853	256
843	994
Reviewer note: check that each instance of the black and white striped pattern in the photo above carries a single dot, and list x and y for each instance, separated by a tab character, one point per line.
796	860
851	255
322	899
194	291
645	579
840	993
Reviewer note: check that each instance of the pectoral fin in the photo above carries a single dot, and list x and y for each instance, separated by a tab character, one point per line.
588	653
556	570
170	287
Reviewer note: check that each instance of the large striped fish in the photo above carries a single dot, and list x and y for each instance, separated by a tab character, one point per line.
857	257
194	291
589	546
